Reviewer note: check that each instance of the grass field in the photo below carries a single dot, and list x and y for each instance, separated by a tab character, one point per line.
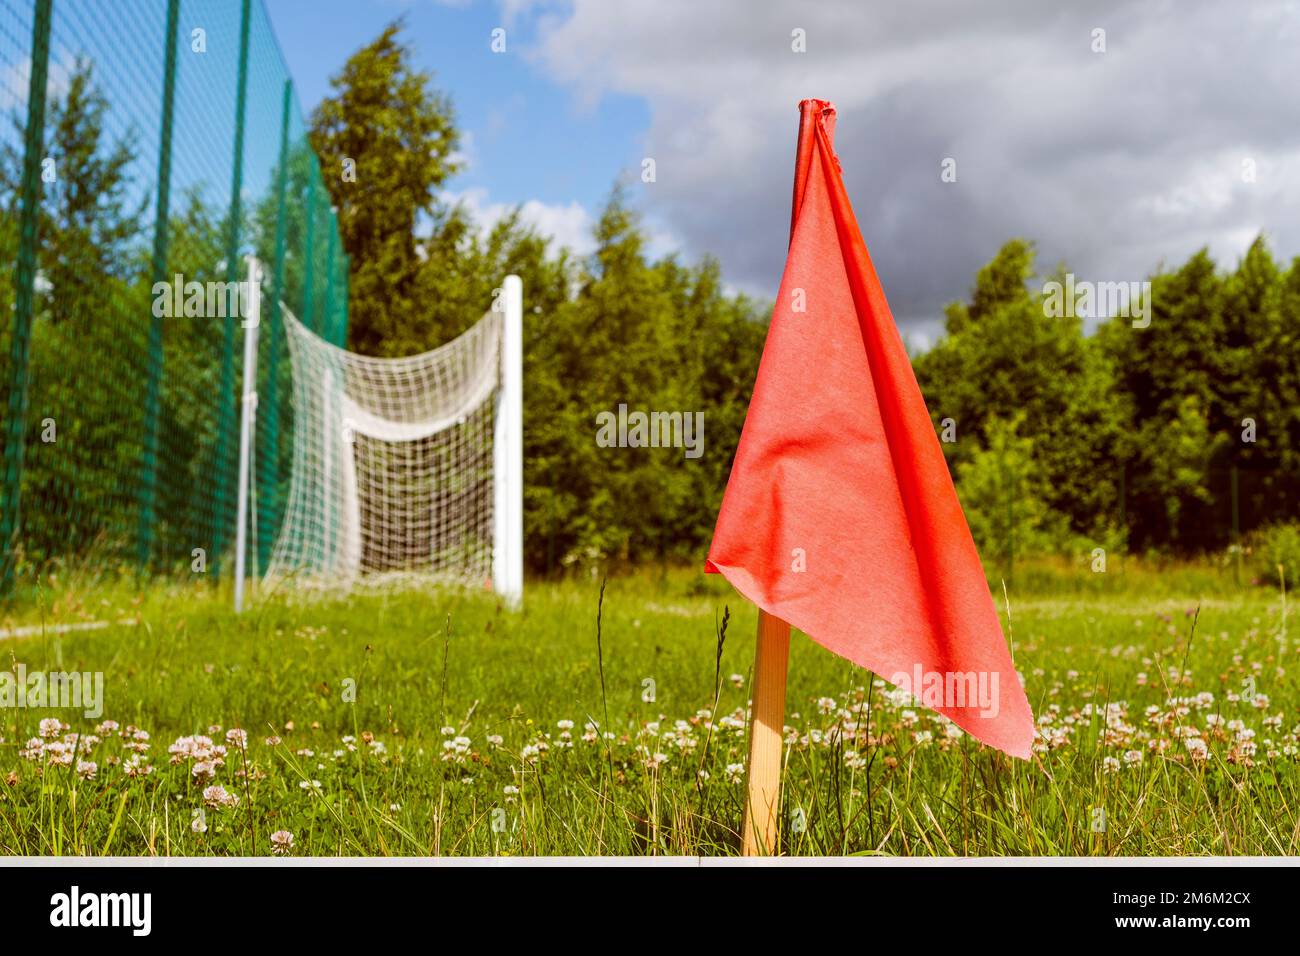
439	723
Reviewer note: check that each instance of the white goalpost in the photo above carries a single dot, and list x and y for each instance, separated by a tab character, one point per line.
405	471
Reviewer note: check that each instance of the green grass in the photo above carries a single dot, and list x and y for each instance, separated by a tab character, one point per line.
422	662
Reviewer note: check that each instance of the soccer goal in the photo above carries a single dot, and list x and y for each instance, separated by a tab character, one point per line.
407	471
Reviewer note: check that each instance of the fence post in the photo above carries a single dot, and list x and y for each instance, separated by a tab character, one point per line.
1123	511
158	270
327	316
347	292
309	254
269	459
1236	528
247	422
24	295
222	472
1009	492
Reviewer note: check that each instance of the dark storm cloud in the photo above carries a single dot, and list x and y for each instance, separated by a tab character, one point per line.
1111	162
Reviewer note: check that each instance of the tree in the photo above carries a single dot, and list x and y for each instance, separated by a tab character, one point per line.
88	226
656	336
1170	374
88	333
1004	355
1256	371
1003	492
386	123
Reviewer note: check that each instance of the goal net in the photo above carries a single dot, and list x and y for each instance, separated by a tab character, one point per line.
406	469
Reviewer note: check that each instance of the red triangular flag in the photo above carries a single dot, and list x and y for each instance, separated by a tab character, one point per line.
840	516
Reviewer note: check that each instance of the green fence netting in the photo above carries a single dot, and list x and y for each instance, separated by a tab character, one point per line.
148	145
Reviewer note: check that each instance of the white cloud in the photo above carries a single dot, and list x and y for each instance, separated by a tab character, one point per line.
465	156
16	79
568	225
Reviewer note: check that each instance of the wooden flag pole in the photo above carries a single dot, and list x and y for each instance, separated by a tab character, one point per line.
772	656
766	736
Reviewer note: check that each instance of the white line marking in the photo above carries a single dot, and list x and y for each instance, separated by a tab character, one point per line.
33	629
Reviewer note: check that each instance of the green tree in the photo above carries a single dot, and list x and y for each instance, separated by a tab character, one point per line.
1170	375
1003	491
87	338
654	336
385	122
1255	373
1005	355
89	224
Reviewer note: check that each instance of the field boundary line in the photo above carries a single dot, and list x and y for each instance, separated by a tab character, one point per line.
31	630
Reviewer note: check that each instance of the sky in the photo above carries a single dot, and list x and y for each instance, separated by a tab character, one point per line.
1117	136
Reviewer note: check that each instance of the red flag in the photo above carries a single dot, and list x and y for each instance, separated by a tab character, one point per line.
840	516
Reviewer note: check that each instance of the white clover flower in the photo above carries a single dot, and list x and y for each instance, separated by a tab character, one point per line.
217	797
135	767
897	697
455	749
281	842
